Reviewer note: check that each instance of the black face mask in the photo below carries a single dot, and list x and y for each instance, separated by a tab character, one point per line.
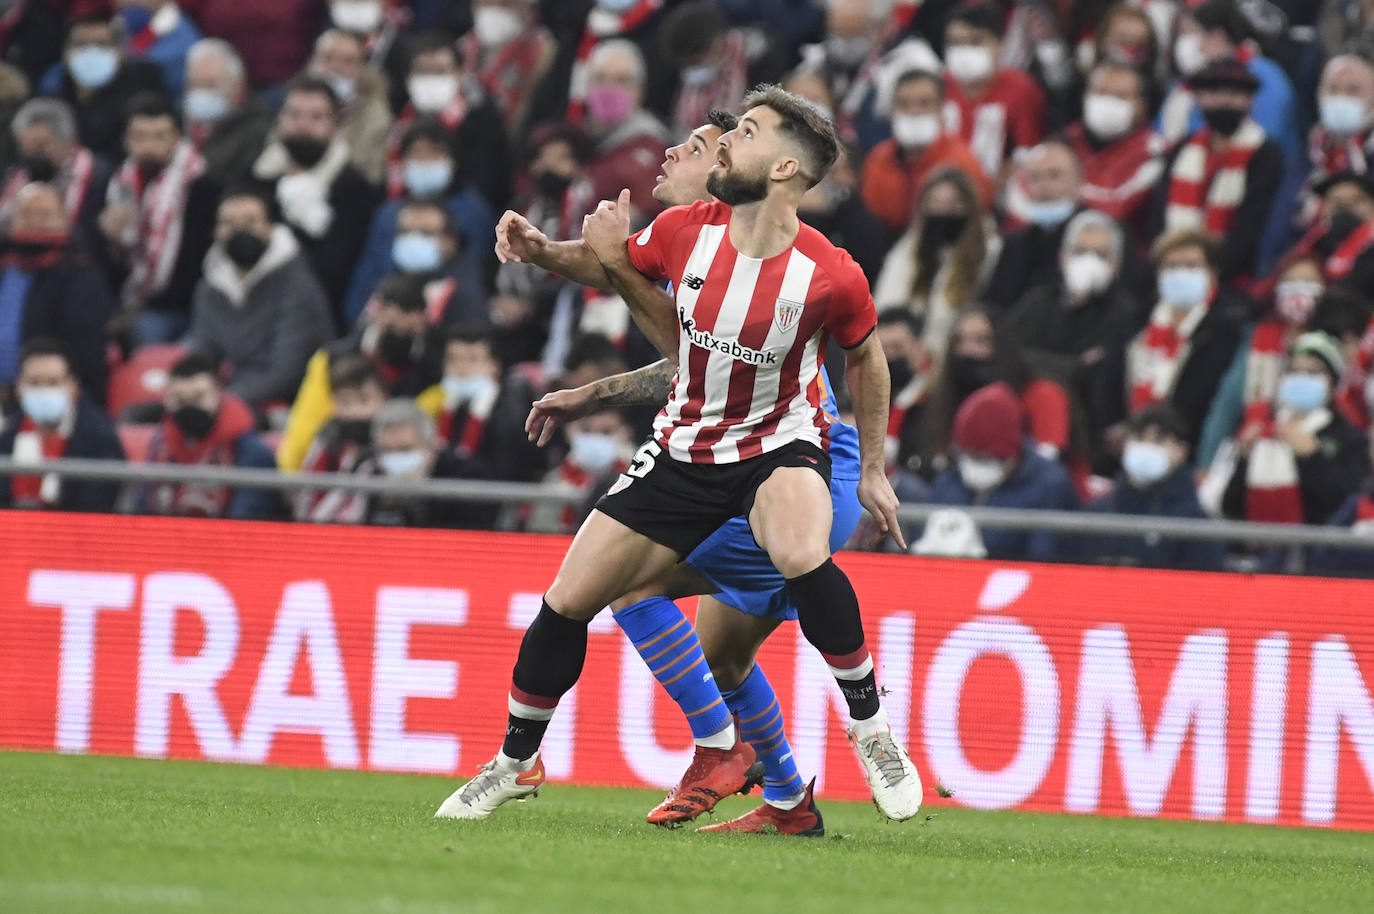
942	230
355	431
38	168
394	347
900	372
970	374
1339	227
305	151
245	249
193	421
149	171
1224	121
550	184
25	248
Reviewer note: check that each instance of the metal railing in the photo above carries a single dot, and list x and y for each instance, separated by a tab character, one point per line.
1075	522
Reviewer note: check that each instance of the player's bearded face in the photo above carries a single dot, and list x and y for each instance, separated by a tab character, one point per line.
734	187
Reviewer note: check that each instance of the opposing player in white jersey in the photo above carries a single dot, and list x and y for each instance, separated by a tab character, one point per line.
742	434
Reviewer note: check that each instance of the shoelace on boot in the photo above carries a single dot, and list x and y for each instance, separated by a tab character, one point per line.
484	783
882	751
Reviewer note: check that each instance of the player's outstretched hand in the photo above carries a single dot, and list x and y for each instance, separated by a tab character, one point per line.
517	240
555	410
606	230
876	495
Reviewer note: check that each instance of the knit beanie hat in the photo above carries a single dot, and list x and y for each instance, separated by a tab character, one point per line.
991	422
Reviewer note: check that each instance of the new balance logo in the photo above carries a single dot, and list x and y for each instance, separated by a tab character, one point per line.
733	349
693	282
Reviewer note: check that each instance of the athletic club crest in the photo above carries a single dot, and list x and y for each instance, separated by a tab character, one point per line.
787	314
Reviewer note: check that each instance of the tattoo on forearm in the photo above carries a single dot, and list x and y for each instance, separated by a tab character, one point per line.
647	386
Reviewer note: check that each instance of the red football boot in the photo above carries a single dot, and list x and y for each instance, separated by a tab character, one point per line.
804	819
713	775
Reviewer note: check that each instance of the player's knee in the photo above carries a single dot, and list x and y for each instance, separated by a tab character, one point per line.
730	671
567	602
796	557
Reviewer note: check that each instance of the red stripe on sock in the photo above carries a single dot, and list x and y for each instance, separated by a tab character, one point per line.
534	701
847	661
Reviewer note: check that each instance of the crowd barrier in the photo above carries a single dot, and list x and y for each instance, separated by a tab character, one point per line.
1038	687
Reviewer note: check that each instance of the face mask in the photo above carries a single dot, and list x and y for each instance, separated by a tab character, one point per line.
467	388
1108	117
149	170
414	252
1296	299
943	229
394	347
848	50
551	185
245	249
594	452
305	151
981	474
495	26
30	247
610	105
698	76
93	66
1050	213
193	421
899	370
344	87
1086	274
1303	393
44	405
1184	287
915	131
1343	114
1145	462
1224	121
425	179
205	106
970	374
38	168
402	463
432	93
359	16
1188	56
616	6
969	63
355	431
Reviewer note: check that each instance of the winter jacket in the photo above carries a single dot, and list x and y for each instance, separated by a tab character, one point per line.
274	36
235	142
1173	496
891	179
1326	477
100	116
71	302
630	156
365	126
92	437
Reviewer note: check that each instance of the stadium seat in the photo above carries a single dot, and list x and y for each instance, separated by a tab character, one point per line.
143	377
135	437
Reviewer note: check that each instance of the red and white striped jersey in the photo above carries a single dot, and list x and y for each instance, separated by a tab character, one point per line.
752	334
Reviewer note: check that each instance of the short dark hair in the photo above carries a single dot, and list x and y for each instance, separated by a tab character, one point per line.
689	31
978	15
913	322
469	332
429	41
557	132
353	372
1186	238
719	117
41	346
192	364
591	349
450	227
152	103
917	74
804	123
256	192
402	290
313	85
430	130
1161	416
1142	80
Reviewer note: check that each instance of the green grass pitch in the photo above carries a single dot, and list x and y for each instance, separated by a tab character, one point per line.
104	834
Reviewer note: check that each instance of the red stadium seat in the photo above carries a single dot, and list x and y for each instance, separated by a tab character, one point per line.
135	438
143	377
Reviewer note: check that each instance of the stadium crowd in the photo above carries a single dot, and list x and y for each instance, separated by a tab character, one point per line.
1123	253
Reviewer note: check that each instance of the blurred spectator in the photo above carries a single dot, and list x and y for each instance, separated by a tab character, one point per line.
14	92
408	449
1303	464
1342	23
429	168
343	444
49	287
628	140
31	37
834	209
49	152
795	20
938	266
591	358
1342	238
898	166
98	81
226	122
1342	141
1222	180
996	467
994	109
1119	154
204	425
909	367
274	36
1194	330
437	87
159	32
1075	326
509	52
599	448
340	59
716	64
983	352
1156	480
57	420
427	246
158	219
259	311
632	19
1043	192
323	198
395	336
1357	513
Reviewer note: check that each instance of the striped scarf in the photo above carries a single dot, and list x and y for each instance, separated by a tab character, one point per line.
1327	155
1272	492
73	181
602	24
169	445
333	506
1159	353
1206	185
725	91
1355	397
507	73
34	445
463	425
1263	366
153	238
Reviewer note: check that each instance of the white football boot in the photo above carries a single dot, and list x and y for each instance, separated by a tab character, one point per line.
890	774
495	783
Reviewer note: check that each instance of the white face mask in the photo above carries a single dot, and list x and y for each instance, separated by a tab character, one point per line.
359	16
916	131
1343	115
1145	462
1107	116
595	452
1184	287
1188	56
969	63
496	26
402	463
981	473
1086	273
432	93
467	388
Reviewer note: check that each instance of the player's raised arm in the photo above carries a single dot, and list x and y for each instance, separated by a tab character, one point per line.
870	389
607	233
647	386
519	241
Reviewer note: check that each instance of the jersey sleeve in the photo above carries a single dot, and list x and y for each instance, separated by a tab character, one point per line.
852	314
650	248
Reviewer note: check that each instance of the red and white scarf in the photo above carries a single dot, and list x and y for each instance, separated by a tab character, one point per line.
1159	353
1206	185
451	118
1263	366
462	425
507	73
332	506
169	445
725	91
161	23
1328	154
1272	492
1355	397
35	445
74	180
154	236
602	24
910	395
1364	515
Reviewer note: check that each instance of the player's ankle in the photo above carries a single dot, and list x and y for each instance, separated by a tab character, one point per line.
786	803
724	738
507	763
869	726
